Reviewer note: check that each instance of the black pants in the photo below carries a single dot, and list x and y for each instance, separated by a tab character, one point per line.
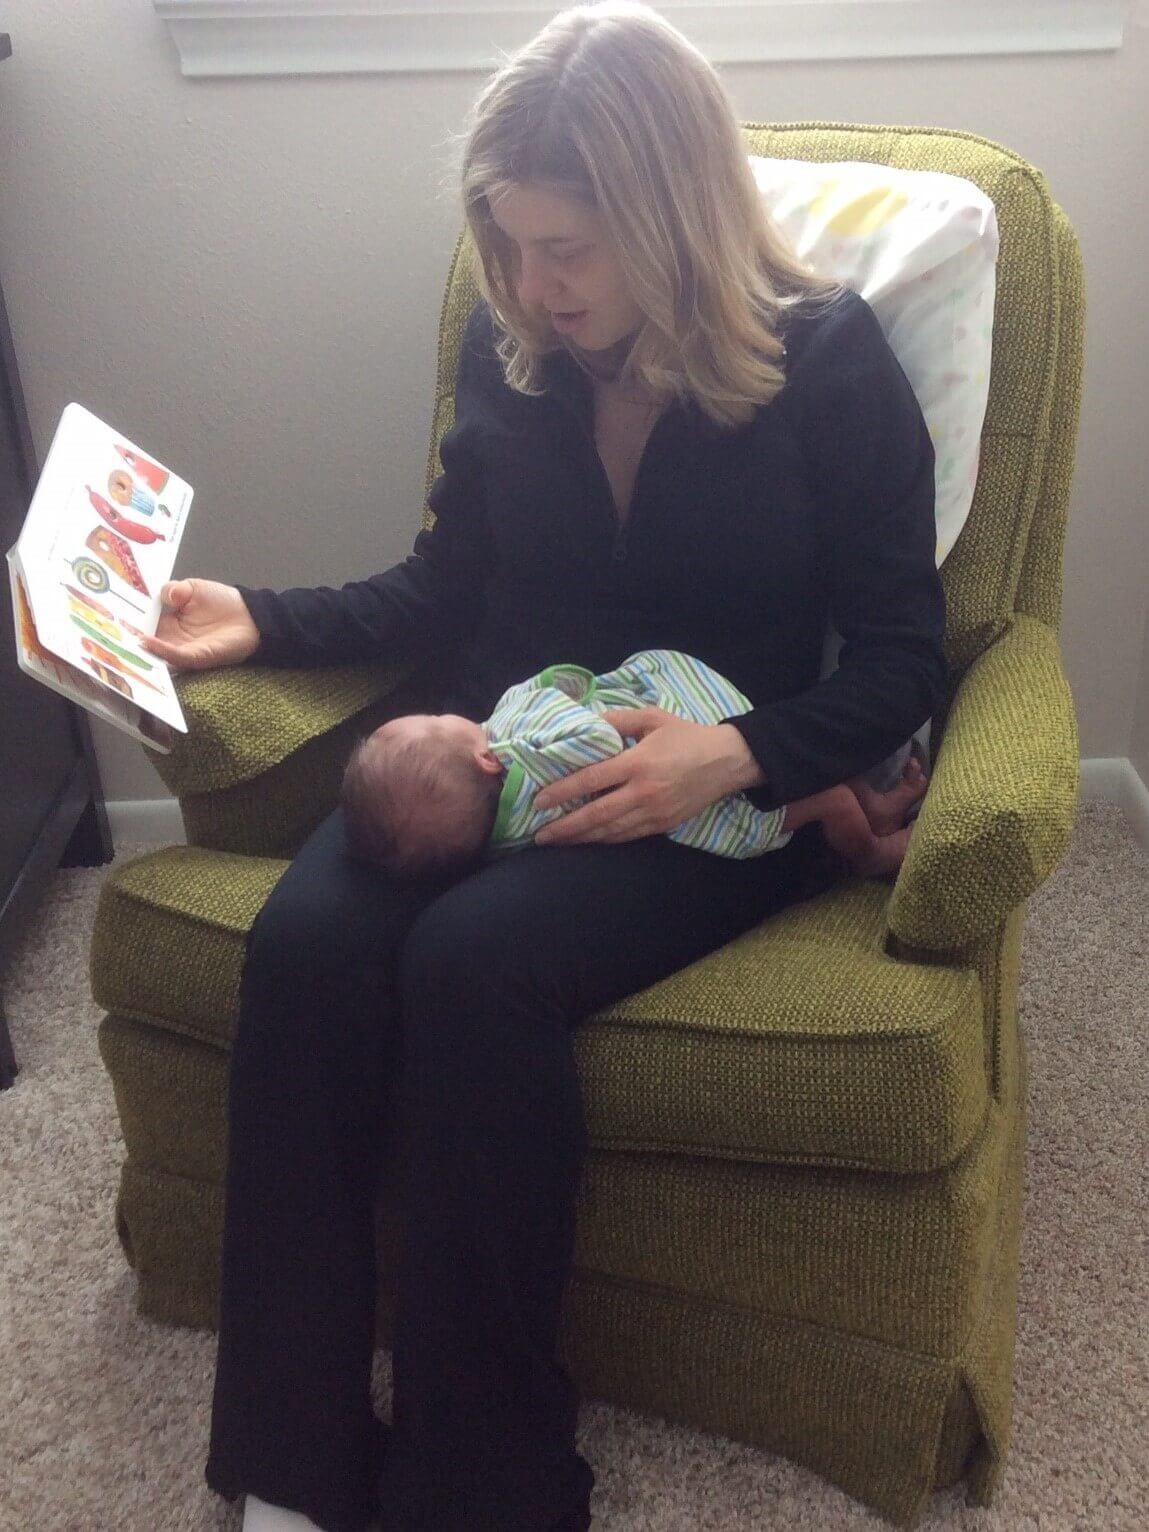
470	987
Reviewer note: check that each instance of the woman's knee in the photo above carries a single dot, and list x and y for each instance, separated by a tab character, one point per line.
483	1025
327	914
310	1003
296	932
467	947
315	987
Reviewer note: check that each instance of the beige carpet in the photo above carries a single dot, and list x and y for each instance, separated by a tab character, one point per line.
103	1416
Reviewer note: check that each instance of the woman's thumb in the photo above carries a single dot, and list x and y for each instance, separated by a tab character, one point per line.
176	594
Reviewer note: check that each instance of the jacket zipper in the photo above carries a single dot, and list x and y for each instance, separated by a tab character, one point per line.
618	549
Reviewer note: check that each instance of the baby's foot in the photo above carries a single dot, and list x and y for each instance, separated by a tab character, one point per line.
885	857
887	812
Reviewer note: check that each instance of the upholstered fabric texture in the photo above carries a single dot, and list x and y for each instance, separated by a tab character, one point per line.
799	1218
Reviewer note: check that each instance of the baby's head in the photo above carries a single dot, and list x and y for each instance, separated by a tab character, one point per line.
420	794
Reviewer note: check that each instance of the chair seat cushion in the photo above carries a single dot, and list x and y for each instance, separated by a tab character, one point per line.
801	1041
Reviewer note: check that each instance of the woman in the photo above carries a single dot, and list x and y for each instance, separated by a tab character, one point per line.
667	434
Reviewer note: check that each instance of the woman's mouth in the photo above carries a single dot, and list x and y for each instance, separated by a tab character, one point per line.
568	321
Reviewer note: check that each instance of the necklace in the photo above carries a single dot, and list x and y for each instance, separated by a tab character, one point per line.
605	365
640	408
606	368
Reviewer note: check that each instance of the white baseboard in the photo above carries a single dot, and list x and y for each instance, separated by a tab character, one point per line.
146	822
157	821
1115	779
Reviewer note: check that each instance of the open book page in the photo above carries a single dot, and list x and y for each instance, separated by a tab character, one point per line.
78	685
97	545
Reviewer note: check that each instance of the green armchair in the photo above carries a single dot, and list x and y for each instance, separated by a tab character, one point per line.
798	1225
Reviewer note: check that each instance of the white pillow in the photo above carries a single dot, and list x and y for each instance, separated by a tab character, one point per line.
921	248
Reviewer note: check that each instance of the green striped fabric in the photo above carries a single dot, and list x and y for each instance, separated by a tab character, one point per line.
551	725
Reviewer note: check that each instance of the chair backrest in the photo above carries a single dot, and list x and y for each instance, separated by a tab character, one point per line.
1009	555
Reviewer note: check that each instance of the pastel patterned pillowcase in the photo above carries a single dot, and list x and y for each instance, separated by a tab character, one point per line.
921	248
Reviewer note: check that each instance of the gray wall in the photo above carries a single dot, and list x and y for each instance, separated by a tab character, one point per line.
1139	743
245	275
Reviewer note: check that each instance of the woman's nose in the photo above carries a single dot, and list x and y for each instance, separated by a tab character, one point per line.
535	283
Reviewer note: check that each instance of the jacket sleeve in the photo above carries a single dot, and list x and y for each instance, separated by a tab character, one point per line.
870	461
429	602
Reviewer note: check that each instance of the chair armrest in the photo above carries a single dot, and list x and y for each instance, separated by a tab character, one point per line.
999	811
245	719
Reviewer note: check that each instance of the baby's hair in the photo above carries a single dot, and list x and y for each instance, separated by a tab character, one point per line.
612	106
382	780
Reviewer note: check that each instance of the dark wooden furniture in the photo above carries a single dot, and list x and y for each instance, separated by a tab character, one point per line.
51	804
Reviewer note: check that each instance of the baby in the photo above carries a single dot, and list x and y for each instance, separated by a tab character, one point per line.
428	792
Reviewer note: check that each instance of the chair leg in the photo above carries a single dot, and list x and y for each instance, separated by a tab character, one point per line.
9	1068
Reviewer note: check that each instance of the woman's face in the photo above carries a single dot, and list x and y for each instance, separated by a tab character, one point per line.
566	266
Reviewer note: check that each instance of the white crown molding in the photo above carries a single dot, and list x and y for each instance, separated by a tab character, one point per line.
261	37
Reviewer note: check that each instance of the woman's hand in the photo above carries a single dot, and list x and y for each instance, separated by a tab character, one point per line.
203	624
676	769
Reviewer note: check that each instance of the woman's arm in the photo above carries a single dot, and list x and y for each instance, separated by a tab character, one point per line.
427	603
871	463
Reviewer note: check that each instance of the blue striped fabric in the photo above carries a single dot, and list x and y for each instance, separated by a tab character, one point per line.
546	727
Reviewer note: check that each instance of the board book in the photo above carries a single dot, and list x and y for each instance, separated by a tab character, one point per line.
86	572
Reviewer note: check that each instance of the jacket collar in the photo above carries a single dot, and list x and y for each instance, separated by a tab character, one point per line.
572	386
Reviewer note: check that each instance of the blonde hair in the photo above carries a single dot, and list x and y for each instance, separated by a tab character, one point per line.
612	106
412	807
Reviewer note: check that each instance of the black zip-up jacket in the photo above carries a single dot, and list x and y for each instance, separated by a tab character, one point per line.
739	547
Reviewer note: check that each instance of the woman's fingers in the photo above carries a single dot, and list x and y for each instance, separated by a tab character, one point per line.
584	782
612	817
170	642
171	654
636	722
185	656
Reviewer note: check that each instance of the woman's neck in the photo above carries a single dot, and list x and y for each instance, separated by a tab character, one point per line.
605	365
